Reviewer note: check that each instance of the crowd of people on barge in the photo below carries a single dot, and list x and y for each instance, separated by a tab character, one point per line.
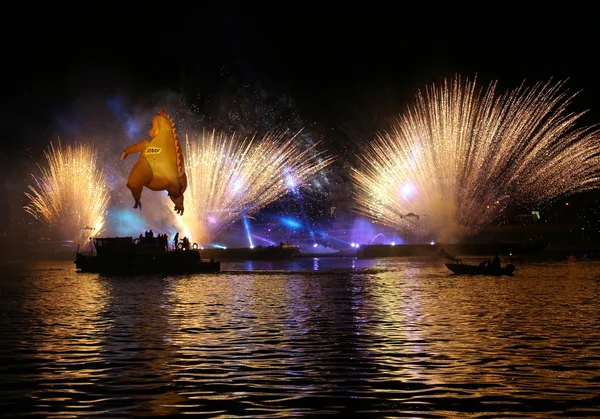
162	240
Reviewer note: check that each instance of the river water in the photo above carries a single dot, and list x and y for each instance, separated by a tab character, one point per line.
311	337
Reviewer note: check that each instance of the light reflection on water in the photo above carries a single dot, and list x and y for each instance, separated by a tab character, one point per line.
378	338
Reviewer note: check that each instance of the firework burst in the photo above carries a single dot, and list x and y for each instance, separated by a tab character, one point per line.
461	155
231	176
70	194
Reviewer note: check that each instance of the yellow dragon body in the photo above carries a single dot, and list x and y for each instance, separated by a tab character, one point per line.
160	166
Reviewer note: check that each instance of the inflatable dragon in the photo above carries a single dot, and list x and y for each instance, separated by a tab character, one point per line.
160	166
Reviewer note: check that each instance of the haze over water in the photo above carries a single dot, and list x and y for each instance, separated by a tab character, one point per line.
311	337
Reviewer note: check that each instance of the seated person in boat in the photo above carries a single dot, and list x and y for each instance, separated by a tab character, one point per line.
496	262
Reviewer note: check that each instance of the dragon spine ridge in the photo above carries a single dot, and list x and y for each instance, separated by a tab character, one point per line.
179	151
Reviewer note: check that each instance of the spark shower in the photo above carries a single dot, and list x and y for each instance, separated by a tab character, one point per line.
230	177
461	155
70	193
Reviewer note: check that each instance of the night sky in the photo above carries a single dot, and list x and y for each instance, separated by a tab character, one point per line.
337	66
327	59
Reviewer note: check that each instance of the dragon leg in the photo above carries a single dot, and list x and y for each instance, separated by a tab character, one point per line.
178	201
140	175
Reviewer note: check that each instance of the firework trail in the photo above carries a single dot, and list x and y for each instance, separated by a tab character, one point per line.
231	176
461	155
70	194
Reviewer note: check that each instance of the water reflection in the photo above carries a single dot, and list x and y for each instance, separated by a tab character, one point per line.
394	337
403	337
137	347
65	354
233	332
265	335
497	336
322	264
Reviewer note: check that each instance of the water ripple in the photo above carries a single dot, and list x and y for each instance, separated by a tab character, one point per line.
395	338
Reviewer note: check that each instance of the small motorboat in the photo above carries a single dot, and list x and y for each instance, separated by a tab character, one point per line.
464	269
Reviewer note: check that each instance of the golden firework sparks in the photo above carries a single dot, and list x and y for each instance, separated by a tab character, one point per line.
70	193
462	154
230	176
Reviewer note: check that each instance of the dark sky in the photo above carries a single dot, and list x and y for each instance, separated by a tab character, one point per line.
333	61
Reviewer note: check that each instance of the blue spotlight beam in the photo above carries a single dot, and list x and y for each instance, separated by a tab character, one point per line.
247	228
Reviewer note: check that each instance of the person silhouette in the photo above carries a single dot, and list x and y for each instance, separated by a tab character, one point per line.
496	262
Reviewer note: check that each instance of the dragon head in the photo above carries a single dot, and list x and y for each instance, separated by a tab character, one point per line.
160	123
